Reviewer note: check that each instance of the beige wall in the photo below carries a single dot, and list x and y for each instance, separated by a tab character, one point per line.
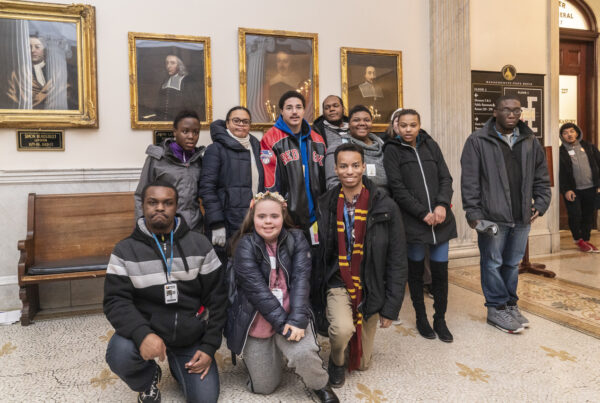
397	25
107	159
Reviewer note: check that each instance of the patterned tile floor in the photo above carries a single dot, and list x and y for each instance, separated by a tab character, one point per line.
62	360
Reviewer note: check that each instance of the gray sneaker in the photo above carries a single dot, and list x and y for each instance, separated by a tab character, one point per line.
514	311
501	318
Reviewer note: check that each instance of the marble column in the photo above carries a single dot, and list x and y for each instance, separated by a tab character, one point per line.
451	100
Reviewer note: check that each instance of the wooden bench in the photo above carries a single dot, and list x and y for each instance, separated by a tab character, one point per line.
69	237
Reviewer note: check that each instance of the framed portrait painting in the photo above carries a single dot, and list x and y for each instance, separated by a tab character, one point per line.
47	65
372	78
272	63
168	73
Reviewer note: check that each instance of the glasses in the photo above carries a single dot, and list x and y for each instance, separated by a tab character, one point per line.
507	112
240	122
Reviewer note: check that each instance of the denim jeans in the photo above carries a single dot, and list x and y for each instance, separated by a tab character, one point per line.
500	257
437	253
124	359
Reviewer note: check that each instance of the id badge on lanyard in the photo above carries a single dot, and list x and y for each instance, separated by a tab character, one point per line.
170	289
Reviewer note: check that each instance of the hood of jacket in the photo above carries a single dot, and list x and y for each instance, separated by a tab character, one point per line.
422	138
577	129
219	134
488	131
164	150
320	121
281	125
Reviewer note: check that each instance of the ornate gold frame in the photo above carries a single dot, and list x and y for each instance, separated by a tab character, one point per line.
133	86
344	64
243	73
84	16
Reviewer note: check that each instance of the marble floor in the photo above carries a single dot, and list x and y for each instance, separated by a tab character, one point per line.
62	360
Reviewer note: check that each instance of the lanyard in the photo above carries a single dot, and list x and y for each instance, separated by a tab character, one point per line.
170	263
349	224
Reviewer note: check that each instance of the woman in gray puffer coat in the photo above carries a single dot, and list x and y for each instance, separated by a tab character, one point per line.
360	123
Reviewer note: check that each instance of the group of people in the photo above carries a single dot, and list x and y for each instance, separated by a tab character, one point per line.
309	230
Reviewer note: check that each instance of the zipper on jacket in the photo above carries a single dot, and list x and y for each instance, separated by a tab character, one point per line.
426	189
175	329
241	355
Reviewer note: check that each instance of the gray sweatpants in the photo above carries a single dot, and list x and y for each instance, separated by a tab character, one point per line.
263	358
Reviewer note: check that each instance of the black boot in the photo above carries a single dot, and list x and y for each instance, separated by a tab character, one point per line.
439	289
415	285
327	395
337	374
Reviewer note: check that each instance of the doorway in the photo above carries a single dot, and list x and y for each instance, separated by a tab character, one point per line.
578	74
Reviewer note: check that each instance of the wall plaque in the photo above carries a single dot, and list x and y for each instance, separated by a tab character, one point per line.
160	135
487	86
40	140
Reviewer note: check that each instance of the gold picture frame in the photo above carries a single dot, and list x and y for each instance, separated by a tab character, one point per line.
175	74
58	41
382	96
278	61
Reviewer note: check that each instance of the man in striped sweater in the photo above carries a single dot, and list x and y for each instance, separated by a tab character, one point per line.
163	295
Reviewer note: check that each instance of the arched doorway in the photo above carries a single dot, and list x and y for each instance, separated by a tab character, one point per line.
578	73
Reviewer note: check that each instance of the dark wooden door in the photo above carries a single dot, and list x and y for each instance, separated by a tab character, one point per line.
576	59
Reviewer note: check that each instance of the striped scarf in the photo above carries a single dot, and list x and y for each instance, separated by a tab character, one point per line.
350	270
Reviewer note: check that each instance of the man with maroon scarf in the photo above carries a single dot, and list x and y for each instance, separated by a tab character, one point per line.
363	255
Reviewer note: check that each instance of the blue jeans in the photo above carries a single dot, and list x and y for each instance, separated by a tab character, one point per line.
124	359
500	257
437	253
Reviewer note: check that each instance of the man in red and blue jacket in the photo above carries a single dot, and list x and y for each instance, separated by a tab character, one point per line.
293	157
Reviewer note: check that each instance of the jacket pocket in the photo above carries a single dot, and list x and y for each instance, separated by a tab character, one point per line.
178	329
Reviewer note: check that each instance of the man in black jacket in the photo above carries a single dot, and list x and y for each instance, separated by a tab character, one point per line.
503	170
333	126
163	294
579	183
363	255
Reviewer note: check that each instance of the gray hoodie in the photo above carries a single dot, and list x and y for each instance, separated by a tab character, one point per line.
161	164
373	159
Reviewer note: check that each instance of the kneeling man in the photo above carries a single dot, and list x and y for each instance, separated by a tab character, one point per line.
363	252
163	296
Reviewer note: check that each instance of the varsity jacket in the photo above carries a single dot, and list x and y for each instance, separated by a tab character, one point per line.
134	289
283	155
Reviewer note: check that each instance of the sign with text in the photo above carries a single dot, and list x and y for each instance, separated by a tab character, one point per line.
161	135
487	86
40	140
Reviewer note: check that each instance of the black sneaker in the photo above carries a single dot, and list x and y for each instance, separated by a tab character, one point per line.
337	374
152	394
327	395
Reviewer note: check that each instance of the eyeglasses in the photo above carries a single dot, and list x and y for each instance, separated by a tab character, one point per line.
240	122
507	112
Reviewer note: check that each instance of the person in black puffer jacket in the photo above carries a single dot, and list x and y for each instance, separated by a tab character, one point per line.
420	183
270	314
232	173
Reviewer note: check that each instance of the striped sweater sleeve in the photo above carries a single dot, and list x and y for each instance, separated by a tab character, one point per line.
118	302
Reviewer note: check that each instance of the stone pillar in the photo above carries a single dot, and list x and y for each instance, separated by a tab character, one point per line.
451	100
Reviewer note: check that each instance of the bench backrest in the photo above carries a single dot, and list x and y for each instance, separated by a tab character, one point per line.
68	226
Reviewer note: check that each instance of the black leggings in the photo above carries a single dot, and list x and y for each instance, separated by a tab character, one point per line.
581	213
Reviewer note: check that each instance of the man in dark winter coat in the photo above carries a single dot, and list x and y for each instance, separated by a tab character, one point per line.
503	170
164	296
177	162
363	262
333	126
579	183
